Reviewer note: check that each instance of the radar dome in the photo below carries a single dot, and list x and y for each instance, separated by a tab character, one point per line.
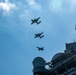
57	56
39	62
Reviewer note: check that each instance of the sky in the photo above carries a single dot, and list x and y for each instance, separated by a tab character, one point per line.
17	43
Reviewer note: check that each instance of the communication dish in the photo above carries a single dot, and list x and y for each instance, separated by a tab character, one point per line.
39	62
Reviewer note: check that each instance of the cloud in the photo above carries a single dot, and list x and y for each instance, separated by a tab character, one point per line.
27	10
6	6
73	4
33	4
62	5
55	5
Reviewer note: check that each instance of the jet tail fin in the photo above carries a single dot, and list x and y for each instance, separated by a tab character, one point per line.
38	22
42	36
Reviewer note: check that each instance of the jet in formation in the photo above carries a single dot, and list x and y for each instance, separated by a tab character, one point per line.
36	21
40	48
39	35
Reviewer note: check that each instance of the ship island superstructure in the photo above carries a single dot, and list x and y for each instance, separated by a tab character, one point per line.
62	63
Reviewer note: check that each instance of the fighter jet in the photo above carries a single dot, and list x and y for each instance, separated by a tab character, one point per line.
39	35
36	21
40	48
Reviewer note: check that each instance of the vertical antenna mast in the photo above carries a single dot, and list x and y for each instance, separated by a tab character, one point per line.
75	29
75	26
